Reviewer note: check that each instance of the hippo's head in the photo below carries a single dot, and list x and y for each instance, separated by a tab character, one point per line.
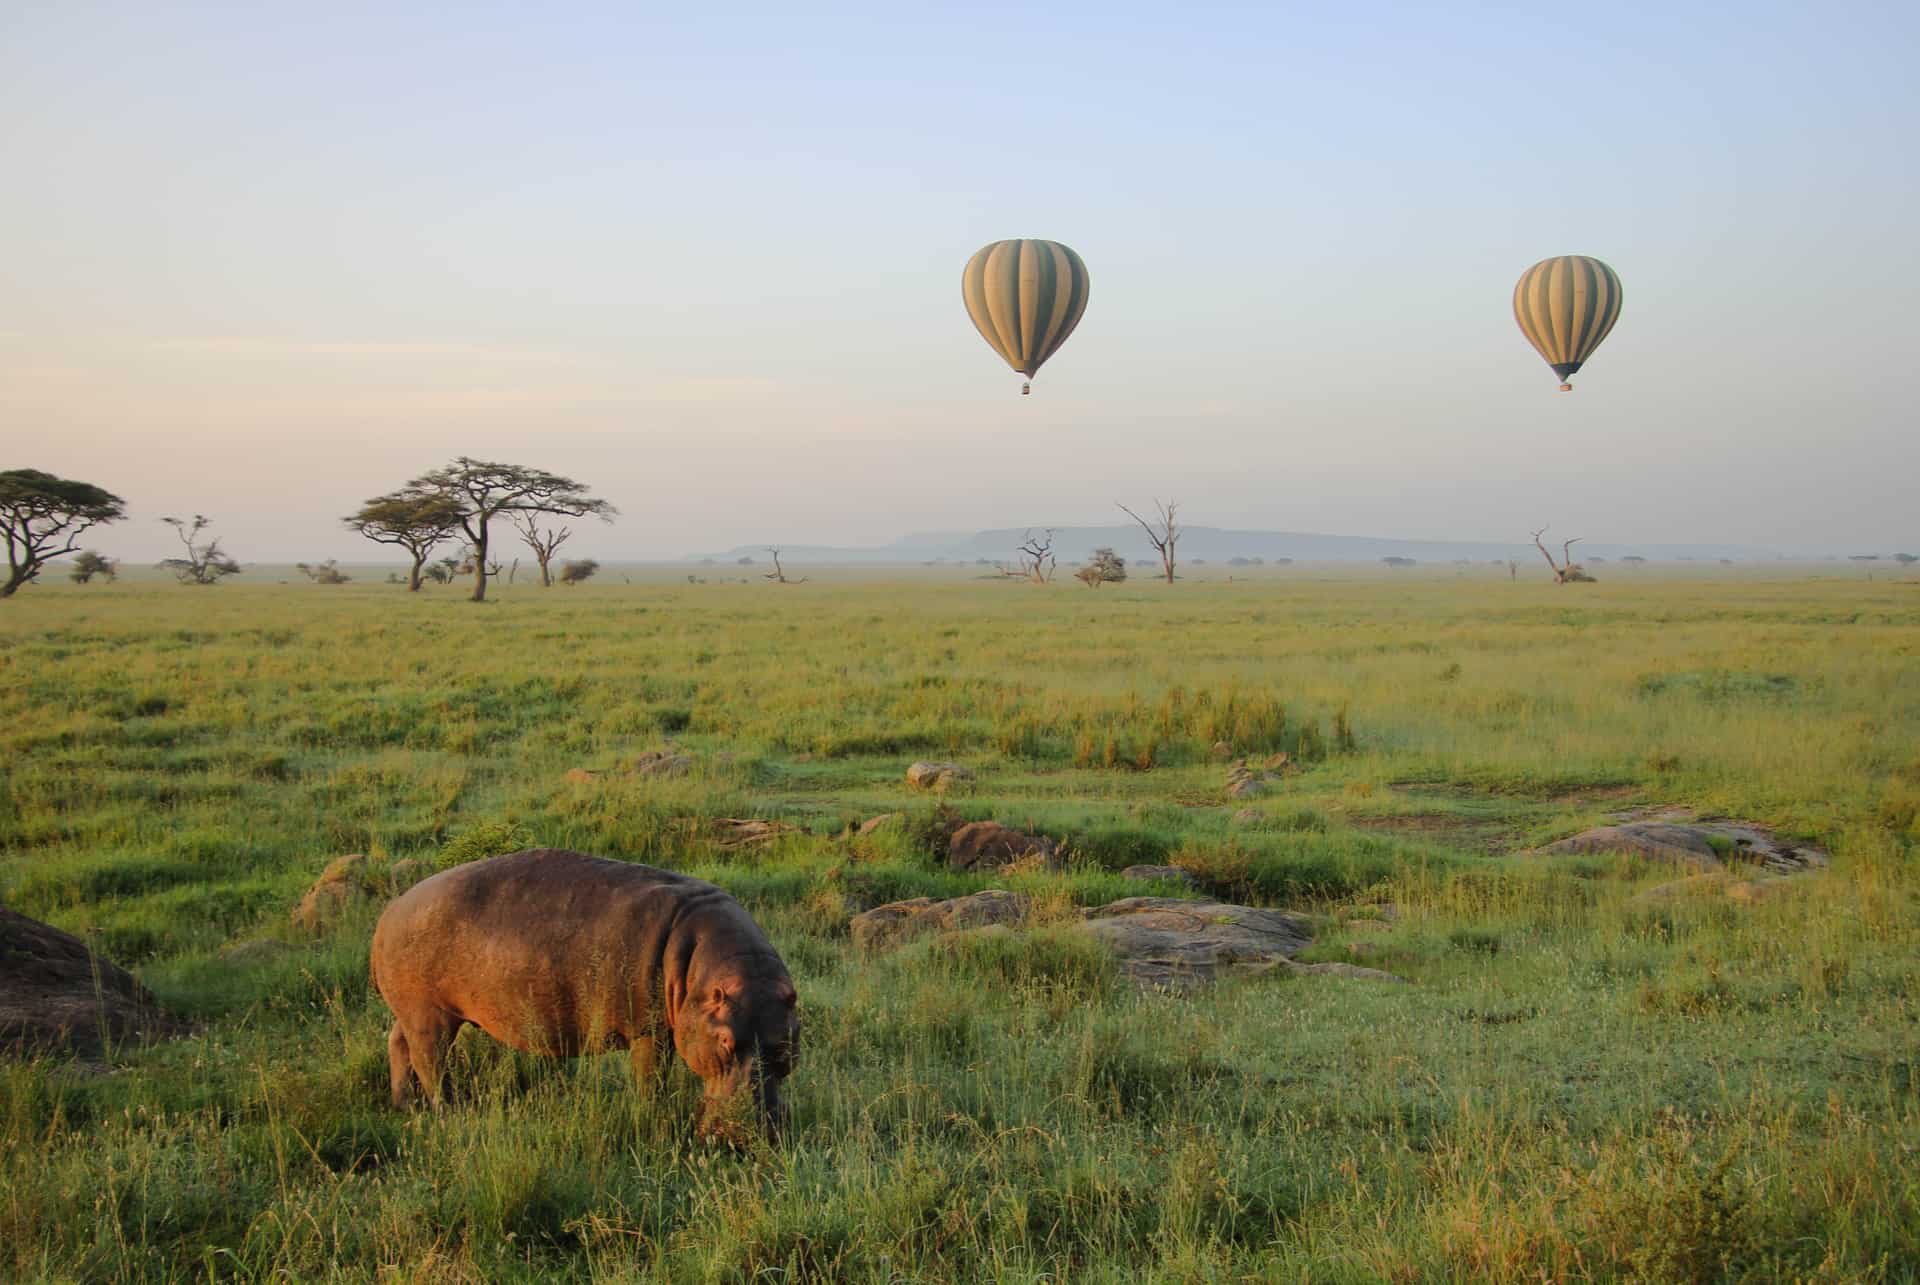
742	1037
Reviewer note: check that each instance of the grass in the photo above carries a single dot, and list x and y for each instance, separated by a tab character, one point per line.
1576	1085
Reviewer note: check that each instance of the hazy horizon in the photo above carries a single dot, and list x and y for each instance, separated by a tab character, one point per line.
270	264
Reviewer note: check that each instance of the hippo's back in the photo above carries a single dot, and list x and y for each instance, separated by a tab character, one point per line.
559	934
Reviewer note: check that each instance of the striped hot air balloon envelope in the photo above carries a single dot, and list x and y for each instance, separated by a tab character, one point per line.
1565	307
1025	298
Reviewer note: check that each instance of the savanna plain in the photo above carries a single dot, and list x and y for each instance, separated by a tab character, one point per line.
1576	1081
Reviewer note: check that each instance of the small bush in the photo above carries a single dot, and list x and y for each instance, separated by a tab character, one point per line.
484	839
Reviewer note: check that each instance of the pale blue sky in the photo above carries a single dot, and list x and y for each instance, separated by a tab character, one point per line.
262	261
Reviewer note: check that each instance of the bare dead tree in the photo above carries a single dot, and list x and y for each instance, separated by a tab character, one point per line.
543	543
1036	556
777	575
1164	535
1565	571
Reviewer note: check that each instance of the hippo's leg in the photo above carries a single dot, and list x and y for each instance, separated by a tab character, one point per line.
399	1067
428	1038
648	1067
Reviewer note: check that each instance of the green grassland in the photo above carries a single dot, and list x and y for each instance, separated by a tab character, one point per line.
1572	1087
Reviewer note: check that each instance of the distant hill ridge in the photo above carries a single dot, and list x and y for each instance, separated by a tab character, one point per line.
1217	544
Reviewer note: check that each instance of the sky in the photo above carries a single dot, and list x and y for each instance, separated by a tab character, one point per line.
263	261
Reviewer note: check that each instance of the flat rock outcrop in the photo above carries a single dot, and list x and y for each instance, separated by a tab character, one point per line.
1679	839
1164	943
899	921
57	996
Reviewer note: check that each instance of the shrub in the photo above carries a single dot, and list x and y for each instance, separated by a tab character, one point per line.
484	839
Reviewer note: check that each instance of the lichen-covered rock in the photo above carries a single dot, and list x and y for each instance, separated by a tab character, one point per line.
988	845
1679	845
899	921
885	821
57	996
936	776
1164	943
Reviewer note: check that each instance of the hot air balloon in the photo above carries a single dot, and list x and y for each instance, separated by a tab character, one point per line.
1025	298
1565	307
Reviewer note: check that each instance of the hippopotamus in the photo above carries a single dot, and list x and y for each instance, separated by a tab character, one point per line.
562	954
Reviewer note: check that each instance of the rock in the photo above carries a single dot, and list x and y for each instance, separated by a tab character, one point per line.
936	776
1174	873
345	880
988	845
1167	944
1222	751
885	821
661	763
1247	816
1679	845
581	776
892	924
1244	782
56	996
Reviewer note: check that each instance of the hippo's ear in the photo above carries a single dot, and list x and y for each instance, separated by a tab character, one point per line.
717	1001
788	995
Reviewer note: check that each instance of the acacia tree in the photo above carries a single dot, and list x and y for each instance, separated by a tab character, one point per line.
1105	566
204	563
94	563
415	520
1163	535
1565	571
483	490
43	517
1036	556
327	572
779	575
543	543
